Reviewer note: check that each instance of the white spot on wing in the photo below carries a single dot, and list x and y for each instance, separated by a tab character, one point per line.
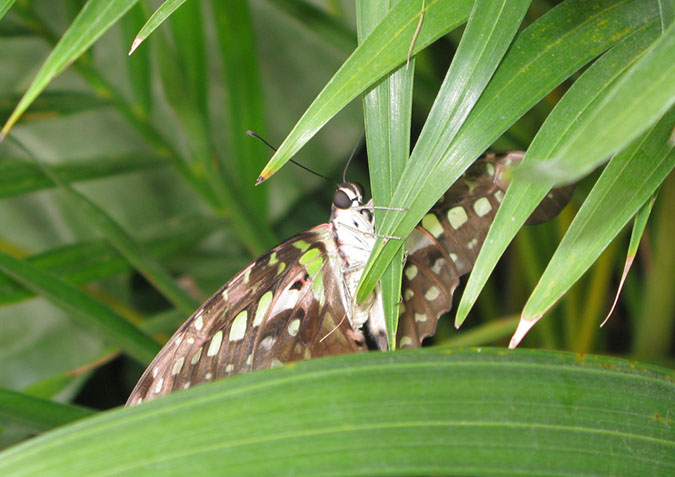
438	265
420	317
410	271
430	222
405	341
159	386
238	329
293	327
482	207
457	217
408	294
199	322
432	293
286	301
499	195
268	342
216	341
196	357
178	365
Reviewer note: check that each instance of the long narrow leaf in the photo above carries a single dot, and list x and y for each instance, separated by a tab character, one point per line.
129	248
384	49
639	225
187	29
92	313
94	20
37	414
542	56
387	116
139	66
635	102
52	104
655	321
157	18
472	412
255	233
4	6
633	175
492	25
243	99
18	176
82	263
523	196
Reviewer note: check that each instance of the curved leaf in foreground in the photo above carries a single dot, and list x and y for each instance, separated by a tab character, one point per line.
477	412
93	21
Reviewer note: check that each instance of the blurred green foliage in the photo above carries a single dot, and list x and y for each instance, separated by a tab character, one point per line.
155	143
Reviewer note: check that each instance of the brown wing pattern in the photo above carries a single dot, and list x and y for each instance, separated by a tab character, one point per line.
285	306
445	245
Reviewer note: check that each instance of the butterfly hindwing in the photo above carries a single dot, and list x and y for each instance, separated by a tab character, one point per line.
445	245
284	307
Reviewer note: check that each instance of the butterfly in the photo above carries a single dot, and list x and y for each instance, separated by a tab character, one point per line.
297	301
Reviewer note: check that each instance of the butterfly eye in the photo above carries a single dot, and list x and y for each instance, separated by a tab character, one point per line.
341	200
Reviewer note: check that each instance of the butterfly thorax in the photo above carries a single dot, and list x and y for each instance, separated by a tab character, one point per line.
353	227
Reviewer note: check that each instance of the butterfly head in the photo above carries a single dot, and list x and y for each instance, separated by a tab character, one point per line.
348	195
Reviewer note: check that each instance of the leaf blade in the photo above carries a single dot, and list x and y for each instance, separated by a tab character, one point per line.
90	312
384	49
512	404
163	12
387	109
522	196
93	20
37	414
640	169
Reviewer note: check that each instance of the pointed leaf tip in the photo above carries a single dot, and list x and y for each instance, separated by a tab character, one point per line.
524	325
260	180
137	42
626	269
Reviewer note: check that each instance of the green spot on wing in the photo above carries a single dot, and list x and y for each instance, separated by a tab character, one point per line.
282	267
263	306
315	266
309	256
301	244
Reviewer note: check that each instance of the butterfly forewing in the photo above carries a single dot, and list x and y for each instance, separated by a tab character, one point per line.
445	245
284	307
295	302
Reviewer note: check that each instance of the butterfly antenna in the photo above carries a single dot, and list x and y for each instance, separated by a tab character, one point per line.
255	135
356	148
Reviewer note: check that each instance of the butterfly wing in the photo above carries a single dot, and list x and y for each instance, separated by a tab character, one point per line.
445	245
286	306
